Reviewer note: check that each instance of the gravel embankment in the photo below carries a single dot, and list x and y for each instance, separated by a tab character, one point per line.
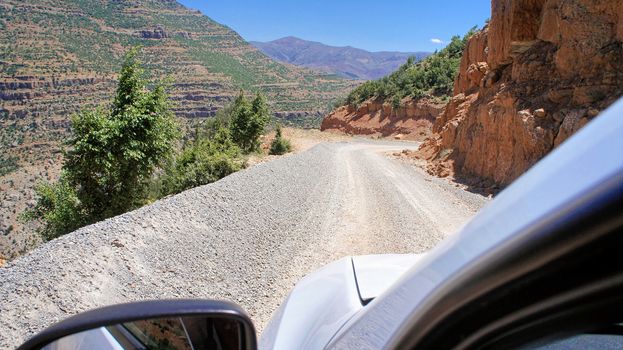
247	238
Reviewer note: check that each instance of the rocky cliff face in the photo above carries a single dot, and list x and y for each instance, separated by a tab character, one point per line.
412	120
540	71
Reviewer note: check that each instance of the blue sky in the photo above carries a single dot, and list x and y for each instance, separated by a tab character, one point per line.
391	25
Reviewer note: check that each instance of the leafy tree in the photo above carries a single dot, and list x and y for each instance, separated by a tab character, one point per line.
113	154
248	120
205	161
280	145
222	119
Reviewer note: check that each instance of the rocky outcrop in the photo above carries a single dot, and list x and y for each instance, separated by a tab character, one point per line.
33	82
157	33
161	33
412	120
540	71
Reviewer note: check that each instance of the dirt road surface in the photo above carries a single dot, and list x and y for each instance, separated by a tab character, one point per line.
247	238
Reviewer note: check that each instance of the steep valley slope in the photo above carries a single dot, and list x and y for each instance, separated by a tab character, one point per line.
60	56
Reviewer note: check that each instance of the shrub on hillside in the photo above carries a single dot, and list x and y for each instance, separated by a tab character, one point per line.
222	119
280	145
8	164
205	161
58	207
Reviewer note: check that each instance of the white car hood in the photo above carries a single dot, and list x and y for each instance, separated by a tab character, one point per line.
315	310
375	273
322	302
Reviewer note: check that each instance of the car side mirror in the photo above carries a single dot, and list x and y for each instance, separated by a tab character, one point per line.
158	324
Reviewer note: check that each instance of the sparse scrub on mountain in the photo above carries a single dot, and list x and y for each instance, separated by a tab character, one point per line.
112	156
433	77
280	145
8	164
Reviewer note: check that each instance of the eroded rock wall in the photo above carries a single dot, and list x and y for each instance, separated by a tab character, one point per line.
413	120
535	75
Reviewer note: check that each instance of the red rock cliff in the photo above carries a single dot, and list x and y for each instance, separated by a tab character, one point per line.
539	72
412	120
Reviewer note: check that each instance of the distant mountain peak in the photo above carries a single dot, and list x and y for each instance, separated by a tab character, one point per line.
290	38
346	61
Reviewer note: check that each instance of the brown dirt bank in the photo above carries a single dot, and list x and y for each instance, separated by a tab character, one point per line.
413	120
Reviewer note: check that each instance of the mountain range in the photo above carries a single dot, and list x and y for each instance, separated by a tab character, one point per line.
346	61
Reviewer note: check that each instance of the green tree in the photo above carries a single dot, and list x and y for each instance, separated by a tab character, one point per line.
280	145
248	121
222	119
112	154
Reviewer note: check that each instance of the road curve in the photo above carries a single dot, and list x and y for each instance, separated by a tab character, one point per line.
247	238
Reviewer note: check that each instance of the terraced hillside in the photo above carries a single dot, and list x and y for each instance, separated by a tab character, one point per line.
56	54
60	56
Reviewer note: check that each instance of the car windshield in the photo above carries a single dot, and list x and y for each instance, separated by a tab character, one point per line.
298	158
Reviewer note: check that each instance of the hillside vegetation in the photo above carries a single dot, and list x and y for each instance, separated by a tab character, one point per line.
59	57
49	40
114	155
433	77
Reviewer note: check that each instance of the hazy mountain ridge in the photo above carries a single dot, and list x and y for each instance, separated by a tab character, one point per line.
346	61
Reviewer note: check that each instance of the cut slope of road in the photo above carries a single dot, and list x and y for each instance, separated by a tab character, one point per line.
247	238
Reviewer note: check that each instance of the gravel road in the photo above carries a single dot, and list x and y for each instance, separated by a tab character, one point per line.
247	238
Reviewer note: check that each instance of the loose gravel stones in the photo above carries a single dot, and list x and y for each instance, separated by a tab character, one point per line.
247	238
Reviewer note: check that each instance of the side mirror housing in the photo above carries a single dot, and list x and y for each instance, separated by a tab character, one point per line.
171	324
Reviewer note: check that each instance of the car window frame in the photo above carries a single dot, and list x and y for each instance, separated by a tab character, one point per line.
588	233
